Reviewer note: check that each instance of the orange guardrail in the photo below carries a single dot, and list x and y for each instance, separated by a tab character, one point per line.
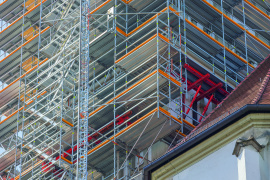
122	93
119	95
172	9
140	26
188	123
15	112
232	21
68	123
68	161
23	15
164	38
263	13
142	44
17	49
3	2
146	22
106	2
99	7
137	47
137	83
28	170
135	123
169	114
27	72
169	77
97	147
177	13
179	132
127	1
122	131
220	44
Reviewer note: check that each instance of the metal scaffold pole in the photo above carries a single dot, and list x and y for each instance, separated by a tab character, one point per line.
18	141
244	20
115	172
223	42
185	56
83	91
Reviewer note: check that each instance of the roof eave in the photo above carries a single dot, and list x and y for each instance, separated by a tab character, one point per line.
242	112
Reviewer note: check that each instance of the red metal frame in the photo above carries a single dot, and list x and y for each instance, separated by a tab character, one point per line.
209	91
200	80
208	81
206	107
48	167
214	100
193	100
184	101
119	121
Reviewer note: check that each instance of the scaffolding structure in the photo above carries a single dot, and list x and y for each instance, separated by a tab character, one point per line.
88	87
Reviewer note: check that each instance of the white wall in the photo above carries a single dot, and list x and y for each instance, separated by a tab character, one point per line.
249	164
253	165
220	165
265	171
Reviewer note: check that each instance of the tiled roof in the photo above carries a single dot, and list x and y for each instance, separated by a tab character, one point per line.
254	89
264	93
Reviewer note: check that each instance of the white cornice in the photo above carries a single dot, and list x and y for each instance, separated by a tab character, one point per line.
255	120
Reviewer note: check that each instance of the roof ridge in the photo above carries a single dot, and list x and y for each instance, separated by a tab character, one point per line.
262	88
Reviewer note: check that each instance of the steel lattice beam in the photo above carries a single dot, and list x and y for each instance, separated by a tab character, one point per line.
83	91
